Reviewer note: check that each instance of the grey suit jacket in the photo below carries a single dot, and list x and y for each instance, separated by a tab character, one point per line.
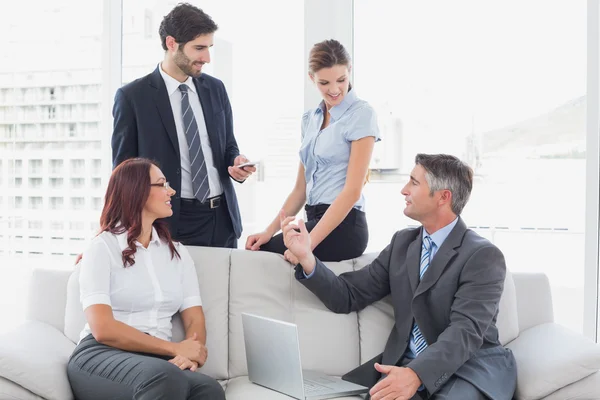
455	306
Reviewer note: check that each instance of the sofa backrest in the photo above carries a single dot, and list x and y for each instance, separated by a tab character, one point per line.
236	281
264	284
534	300
508	320
47	297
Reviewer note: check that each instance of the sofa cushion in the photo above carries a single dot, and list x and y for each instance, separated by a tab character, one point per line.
35	356
212	267
587	388
550	357
241	388
10	390
264	284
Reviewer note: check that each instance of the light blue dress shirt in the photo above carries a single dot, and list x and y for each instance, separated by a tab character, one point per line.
325	153
437	239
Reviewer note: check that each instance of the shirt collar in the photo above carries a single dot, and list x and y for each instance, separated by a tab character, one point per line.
336	112
441	235
122	239
172	84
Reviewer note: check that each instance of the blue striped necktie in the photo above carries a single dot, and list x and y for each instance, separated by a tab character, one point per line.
416	336
198	168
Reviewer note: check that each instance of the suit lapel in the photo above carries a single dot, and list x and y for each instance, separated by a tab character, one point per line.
161	98
413	256
442	258
207	109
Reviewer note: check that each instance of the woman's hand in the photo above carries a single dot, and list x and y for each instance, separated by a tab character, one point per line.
258	239
192	349
184	363
203	356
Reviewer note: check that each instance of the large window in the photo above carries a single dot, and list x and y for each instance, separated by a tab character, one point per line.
475	80
50	80
259	57
502	85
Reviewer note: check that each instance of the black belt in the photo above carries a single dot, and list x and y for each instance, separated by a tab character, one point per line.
212	202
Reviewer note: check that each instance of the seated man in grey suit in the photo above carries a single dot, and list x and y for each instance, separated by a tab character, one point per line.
445	283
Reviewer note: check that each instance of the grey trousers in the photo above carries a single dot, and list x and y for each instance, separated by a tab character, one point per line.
454	389
100	372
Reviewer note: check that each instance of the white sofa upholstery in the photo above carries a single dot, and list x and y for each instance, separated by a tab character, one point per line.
553	362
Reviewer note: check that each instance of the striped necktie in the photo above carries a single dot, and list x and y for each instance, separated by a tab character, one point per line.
197	163
416	336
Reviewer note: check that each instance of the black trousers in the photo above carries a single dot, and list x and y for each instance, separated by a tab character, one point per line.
348	240
200	225
100	372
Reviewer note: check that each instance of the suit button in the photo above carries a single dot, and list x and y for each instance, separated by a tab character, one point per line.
178	171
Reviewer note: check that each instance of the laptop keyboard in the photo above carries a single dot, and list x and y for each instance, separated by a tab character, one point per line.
314	387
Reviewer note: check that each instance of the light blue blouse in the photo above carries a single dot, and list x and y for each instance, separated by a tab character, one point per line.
325	153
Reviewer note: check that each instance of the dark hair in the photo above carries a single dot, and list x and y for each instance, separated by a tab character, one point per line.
326	54
185	22
443	171
126	195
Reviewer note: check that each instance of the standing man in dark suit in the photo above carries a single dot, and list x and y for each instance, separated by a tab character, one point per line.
445	283
182	119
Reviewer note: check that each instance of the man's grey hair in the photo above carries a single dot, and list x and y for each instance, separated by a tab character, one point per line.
446	172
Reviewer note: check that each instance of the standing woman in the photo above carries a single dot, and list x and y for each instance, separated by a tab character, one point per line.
337	143
133	279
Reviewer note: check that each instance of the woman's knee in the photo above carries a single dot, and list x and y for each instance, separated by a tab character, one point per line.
214	391
167	382
205	387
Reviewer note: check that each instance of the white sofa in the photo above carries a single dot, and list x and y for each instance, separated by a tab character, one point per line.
553	362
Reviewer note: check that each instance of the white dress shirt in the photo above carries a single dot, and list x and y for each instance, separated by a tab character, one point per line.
187	192
144	295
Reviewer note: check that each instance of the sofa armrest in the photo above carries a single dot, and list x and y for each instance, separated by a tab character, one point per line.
534	300
35	356
550	357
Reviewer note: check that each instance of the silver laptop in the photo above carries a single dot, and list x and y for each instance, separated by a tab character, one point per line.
273	357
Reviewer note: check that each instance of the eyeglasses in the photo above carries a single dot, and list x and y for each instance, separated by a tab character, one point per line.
163	185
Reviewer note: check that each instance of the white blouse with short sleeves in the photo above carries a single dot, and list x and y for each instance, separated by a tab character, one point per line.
144	295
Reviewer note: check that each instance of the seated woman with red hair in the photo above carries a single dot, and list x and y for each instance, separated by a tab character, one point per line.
133	279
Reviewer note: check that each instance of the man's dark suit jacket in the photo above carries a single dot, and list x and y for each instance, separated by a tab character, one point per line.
455	305
144	126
